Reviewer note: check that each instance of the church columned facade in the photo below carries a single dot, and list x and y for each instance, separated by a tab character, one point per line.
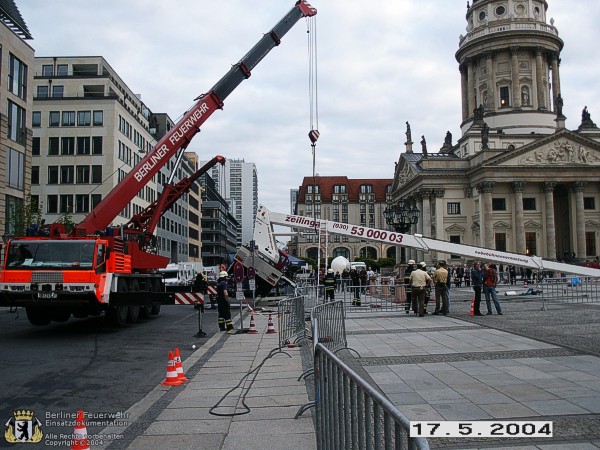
517	179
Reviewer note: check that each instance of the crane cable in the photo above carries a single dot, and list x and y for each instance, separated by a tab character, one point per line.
313	134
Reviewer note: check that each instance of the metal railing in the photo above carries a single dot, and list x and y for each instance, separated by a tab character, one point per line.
291	320
569	289
351	414
330	317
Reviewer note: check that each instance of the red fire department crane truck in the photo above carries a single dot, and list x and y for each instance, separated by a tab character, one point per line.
97	269
269	261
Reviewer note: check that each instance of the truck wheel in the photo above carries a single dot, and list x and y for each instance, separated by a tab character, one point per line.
134	311
118	314
37	316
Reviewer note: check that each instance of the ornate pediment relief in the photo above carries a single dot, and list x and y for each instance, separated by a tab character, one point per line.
557	153
592	225
500	225
455	228
532	224
405	174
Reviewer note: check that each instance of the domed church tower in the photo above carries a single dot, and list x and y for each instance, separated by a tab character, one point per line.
517	179
509	65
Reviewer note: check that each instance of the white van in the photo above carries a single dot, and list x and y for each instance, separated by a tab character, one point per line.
358	265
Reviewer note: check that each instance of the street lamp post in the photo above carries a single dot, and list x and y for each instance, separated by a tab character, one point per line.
402	216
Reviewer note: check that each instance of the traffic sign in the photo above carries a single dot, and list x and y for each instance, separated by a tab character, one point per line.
238	272
251	273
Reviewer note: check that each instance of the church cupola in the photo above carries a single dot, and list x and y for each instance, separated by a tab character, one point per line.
509	64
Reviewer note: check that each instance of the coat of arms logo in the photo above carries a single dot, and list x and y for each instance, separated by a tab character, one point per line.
23	427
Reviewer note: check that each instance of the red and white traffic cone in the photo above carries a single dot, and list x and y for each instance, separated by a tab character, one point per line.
179	366
472	312
171	379
270	326
252	329
80	437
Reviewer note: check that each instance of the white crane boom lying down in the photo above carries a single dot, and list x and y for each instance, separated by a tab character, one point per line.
269	256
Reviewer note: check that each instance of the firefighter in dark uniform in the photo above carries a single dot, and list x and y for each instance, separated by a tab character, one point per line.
223	306
329	282
408	288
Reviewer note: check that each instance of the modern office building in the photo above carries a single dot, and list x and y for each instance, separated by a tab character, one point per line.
89	130
517	179
238	181
16	100
219	226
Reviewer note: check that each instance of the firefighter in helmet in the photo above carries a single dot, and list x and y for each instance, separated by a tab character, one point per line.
223	304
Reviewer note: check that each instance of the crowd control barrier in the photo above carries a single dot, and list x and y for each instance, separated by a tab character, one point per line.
350	413
568	289
330	317
291	320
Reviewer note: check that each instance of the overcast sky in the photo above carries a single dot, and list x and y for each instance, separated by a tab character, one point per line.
380	63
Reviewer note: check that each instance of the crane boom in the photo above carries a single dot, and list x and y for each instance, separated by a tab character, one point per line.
182	133
267	257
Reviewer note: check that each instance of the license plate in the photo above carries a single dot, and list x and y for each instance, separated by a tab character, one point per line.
47	295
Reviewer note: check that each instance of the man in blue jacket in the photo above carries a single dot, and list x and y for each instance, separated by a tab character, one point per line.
477	283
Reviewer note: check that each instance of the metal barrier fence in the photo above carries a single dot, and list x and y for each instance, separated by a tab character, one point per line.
291	320
330	317
569	289
350	413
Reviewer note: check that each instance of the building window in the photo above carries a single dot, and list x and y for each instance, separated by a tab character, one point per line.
504	97
17	77
530	243
53	146
589	203
453	208
12	213
52	203
42	91
83	145
52	174
47	70
96	198
35	174
36	119
498	204
339	189
35	146
67	146
54	119
590	243
16	123
501	242
62	70
68	118
66	204
84	118
366	188
97	174
96	145
82	203
528	203
15	169
58	91
98	118
67	175
83	175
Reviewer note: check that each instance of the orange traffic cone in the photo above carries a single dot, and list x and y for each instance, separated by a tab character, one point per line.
270	326
252	329
171	379
80	437
179	366
472	312
525	283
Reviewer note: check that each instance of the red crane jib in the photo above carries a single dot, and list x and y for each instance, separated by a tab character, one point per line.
134	181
